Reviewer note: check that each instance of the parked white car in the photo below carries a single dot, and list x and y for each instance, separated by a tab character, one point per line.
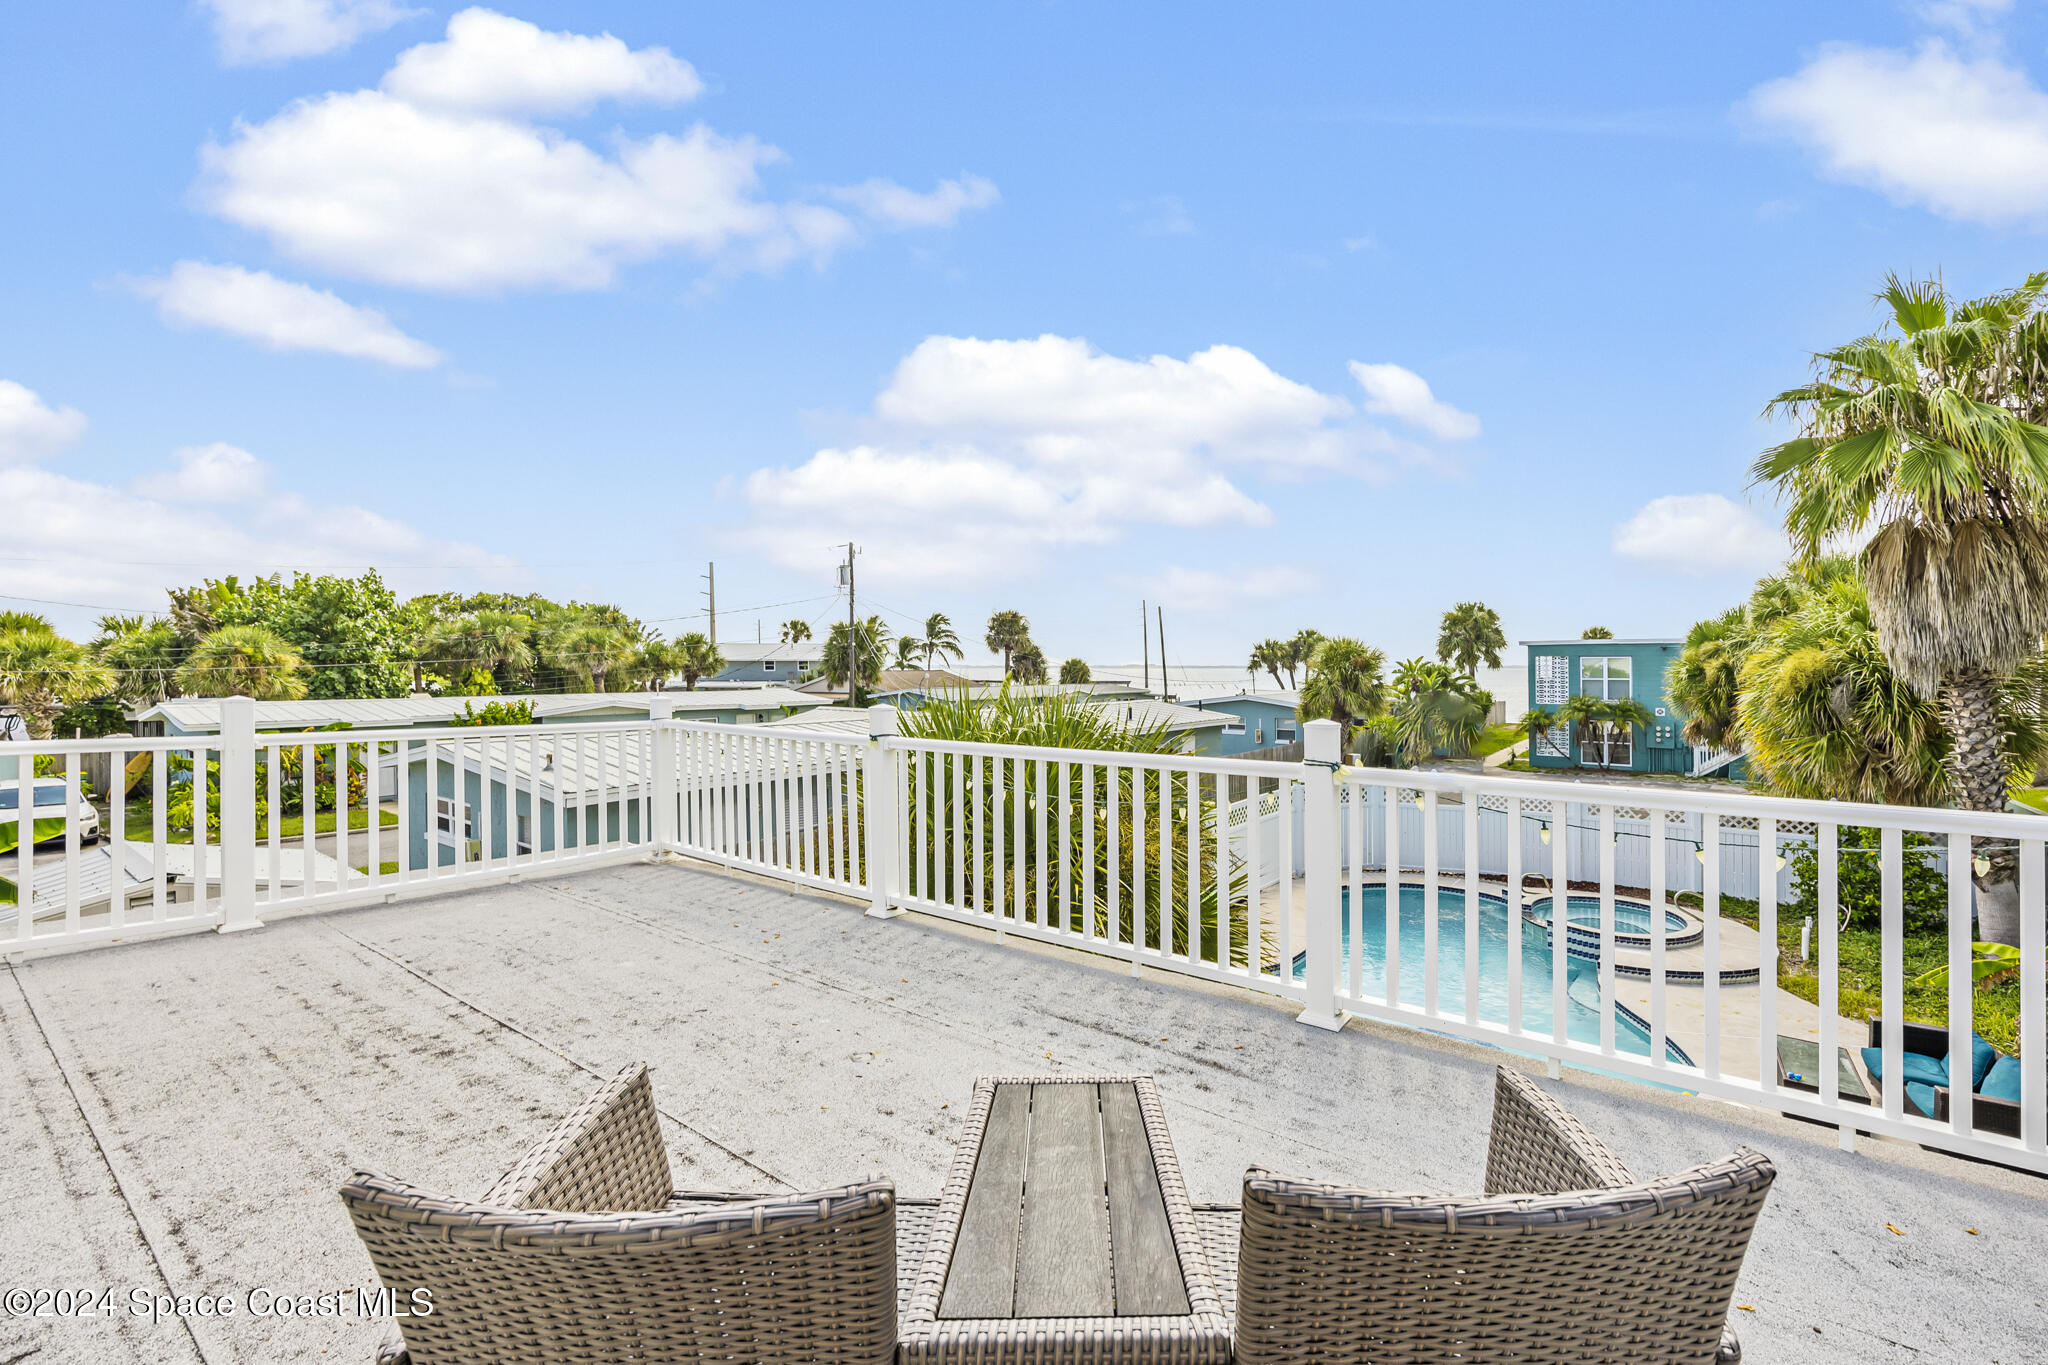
54	801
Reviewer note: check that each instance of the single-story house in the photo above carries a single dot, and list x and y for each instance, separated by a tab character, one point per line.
182	716
1258	720
1200	731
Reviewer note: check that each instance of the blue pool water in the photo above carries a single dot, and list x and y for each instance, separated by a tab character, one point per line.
1630	917
1582	978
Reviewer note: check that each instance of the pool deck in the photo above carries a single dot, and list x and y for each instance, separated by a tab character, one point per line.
177	1114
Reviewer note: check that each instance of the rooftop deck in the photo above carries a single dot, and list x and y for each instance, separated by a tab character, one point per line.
176	1115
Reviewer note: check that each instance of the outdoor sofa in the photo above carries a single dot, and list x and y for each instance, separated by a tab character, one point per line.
1994	1077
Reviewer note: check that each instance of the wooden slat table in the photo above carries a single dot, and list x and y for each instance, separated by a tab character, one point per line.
1065	1233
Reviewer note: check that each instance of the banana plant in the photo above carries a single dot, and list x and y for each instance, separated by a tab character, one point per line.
1988	962
10	835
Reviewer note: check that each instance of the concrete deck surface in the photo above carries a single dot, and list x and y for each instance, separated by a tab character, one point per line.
175	1116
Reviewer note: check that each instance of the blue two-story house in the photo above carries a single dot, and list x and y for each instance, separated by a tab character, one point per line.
1609	670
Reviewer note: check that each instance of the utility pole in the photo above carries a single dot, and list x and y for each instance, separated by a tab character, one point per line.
1162	655
711	593
1145	636
852	644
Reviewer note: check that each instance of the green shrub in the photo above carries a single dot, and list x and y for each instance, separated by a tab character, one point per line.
1858	881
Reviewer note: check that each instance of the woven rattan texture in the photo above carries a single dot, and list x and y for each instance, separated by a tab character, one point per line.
1628	1275
806	1278
606	1157
1538	1144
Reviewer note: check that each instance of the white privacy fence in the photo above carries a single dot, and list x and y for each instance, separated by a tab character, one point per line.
1341	890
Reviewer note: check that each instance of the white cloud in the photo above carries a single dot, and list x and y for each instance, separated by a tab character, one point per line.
217	473
1967	138
31	429
1700	533
1163	215
1967	18
492	63
1202	590
1393	391
215	512
275	30
435	182
891	205
281	314
987	456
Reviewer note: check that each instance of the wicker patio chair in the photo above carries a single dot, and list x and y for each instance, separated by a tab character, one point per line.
585	1251
1565	1258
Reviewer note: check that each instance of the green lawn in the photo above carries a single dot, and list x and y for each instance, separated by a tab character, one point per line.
1858	993
290	826
2034	797
1495	738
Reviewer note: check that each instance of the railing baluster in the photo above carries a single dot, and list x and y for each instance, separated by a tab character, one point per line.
1827	855
1390	908
1560	915
1962	988
1660	868
1767	953
1470	867
1710	947
1431	872
1891	990
74	792
1608	838
160	838
1167	947
25	845
201	807
115	833
1512	846
2033	1039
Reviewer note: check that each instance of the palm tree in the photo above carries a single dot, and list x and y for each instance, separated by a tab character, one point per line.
1030	662
1704	680
1469	635
1534	722
1596	633
499	641
1076	671
867	650
695	657
939	641
1594	721
795	632
1436	710
41	672
909	649
592	649
1346	683
143	656
244	661
1926	437
1008	632
1270	655
1300	651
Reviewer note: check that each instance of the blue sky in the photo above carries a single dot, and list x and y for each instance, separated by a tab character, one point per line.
1327	316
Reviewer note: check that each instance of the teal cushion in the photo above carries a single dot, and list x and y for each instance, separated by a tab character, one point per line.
1982	1055
2004	1081
1920	1097
1919	1068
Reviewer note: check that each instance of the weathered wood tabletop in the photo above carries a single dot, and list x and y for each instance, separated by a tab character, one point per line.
1064	1215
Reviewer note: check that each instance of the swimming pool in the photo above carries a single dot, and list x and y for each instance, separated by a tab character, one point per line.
1582	978
1631	924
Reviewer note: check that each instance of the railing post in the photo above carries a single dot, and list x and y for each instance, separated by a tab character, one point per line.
1323	757
668	792
238	819
881	814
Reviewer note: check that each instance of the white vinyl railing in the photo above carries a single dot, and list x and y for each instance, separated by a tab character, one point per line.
1424	899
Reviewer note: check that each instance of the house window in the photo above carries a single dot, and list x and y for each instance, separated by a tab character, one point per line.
444	818
1554	742
1233	727
1608	678
1613	747
525	844
768	666
1284	733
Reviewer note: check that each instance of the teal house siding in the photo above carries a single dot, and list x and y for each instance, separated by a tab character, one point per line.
1261	722
600	821
1559	669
